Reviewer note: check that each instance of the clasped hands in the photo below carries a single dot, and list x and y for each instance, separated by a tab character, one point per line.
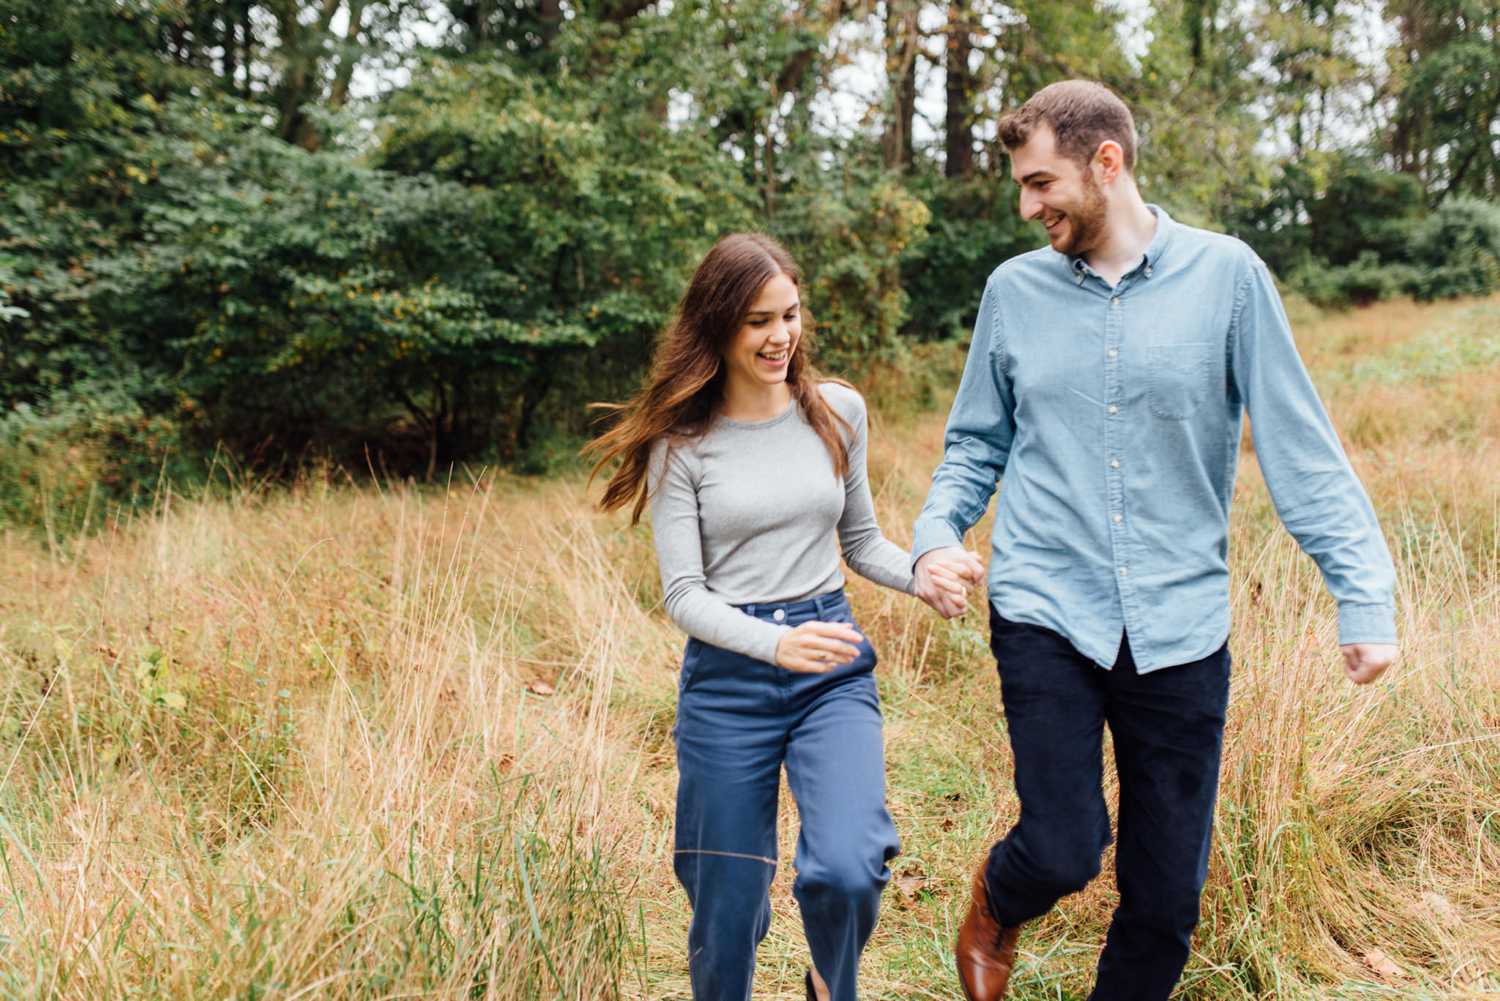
942	579
944	576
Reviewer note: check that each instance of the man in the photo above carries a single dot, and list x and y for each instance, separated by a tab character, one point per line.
1105	384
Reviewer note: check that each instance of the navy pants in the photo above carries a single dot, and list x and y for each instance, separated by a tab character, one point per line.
739	720
1168	730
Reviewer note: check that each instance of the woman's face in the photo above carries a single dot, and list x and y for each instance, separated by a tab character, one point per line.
759	353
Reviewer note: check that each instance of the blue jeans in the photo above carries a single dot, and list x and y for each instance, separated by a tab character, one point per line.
1168	730
738	721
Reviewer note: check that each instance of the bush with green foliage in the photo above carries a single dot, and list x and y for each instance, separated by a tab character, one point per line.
592	217
175	276
79	86
847	232
1368	279
1456	249
1346	232
89	451
311	302
974	227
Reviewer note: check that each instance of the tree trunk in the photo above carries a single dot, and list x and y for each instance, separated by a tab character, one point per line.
532	393
901	73
549	13
623	10
226	42
247	50
959	115
347	58
768	158
301	83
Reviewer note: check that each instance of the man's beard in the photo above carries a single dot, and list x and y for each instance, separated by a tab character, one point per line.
1086	223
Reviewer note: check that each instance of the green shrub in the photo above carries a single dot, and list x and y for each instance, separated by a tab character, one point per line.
1367	280
1456	249
586	218
1453	251
88	451
848	233
974	227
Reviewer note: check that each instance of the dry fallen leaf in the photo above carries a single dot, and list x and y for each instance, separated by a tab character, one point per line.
1441	907
1382	965
540	688
910	886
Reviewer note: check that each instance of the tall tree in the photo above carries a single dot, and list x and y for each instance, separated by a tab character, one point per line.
958	115
1312	77
318	46
1445	87
902	42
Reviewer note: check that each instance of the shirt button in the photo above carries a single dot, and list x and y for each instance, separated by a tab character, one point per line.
1113	353
1113	409
1114	300
1114	463
1119	518
779	614
1124	571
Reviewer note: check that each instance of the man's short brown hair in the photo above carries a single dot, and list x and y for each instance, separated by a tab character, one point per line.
1081	114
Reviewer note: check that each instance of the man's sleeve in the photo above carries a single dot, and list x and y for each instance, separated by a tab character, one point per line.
977	442
1316	494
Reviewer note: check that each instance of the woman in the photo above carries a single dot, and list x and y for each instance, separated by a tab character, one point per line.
755	472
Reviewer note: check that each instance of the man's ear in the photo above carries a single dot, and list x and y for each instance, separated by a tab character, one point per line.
1109	161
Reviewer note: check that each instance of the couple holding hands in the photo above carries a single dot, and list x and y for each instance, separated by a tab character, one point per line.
1105	385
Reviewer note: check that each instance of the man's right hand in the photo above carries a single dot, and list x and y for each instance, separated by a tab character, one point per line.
942	578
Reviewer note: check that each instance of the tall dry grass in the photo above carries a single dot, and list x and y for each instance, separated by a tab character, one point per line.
342	742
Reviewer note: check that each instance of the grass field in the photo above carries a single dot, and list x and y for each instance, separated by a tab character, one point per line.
347	742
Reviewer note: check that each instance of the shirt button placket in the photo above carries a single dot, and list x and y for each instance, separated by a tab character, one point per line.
1114	386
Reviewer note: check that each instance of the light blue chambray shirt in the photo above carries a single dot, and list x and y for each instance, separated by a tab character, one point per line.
1113	416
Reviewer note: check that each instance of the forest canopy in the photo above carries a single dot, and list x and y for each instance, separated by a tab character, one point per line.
418	233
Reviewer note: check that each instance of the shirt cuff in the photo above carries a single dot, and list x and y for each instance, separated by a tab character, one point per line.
929	535
1367	623
767	652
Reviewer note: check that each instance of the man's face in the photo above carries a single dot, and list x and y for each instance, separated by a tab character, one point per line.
1055	191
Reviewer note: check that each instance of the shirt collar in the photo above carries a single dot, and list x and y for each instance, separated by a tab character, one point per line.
1164	227
1149	260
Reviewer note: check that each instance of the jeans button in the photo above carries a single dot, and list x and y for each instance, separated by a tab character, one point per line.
779	614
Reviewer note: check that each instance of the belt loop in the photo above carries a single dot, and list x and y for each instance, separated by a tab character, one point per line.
748	609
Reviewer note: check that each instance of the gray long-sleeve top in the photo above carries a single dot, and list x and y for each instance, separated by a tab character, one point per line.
752	511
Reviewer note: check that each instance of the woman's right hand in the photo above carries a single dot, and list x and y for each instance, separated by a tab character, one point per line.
816	647
943	576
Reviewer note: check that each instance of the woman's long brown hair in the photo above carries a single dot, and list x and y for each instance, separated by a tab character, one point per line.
686	382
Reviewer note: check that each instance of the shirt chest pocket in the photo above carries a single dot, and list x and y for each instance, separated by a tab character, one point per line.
1179	378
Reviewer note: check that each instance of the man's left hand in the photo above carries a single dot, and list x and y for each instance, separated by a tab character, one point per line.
1364	662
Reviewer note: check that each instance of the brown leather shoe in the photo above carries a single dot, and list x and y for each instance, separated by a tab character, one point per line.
985	951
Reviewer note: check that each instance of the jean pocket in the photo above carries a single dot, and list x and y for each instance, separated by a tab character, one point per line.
1179	377
690	657
866	659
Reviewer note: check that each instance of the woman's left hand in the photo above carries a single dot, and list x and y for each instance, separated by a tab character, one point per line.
818	647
